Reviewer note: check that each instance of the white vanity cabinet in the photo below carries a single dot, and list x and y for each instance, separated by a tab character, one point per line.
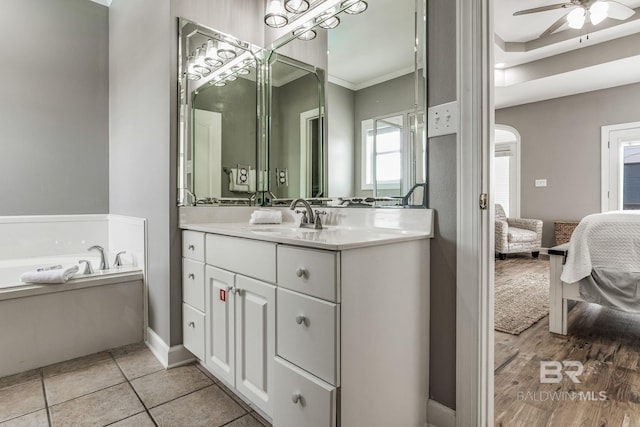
314	337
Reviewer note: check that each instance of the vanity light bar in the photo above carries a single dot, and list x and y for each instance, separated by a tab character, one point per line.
328	19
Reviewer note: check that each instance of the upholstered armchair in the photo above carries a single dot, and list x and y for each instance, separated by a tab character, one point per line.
517	234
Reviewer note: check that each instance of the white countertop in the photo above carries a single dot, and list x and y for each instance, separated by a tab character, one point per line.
331	237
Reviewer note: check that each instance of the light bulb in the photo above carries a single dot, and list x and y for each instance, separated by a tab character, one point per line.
275	15
355	8
305	32
192	74
296	6
327	21
200	66
598	12
211	56
575	18
226	51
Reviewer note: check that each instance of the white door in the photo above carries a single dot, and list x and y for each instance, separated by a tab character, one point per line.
621	167
255	341
207	157
220	324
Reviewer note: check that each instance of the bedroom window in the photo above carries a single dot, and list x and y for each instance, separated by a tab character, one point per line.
506	174
621	167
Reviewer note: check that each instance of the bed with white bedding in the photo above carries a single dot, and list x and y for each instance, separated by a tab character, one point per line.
600	264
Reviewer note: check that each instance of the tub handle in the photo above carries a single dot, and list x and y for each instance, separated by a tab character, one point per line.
87	267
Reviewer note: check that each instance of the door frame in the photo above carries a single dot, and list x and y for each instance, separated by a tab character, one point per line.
608	174
474	265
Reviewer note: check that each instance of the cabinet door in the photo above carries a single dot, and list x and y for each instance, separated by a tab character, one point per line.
220	323
193	330
255	341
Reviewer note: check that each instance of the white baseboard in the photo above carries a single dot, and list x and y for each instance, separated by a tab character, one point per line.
439	415
169	357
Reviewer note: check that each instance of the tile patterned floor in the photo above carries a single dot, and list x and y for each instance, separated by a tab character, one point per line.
122	387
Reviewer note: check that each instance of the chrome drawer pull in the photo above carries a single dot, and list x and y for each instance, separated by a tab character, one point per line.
191	248
301	272
192	276
192	325
301	320
297	398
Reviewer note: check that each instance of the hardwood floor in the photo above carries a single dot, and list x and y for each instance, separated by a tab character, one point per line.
605	341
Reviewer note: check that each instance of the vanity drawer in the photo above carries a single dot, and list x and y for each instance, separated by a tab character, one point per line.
193	330
307	334
251	258
193	283
302	400
312	272
193	245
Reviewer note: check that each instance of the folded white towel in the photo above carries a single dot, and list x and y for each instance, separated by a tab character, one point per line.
60	275
266	216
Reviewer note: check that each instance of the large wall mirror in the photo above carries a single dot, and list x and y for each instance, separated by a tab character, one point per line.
219	121
375	104
351	135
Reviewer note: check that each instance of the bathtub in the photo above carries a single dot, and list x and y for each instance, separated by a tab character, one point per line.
42	324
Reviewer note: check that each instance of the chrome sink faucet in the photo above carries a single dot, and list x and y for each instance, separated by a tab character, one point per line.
308	220
104	262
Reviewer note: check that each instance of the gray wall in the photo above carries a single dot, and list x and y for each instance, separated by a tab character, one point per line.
340	140
54	107
140	143
561	143
143	128
442	198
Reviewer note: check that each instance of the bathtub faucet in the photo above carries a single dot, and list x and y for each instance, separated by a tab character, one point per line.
104	263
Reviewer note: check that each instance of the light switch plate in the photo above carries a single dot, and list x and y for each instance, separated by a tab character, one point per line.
443	119
541	182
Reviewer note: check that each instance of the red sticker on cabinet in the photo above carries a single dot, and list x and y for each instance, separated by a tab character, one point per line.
223	295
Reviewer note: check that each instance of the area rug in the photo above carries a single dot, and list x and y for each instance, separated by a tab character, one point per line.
520	302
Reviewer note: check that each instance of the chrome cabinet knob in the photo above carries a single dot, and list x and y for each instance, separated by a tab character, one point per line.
297	398
192	325
192	276
301	320
301	272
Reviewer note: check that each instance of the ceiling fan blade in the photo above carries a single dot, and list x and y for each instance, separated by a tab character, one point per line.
619	11
559	23
544	8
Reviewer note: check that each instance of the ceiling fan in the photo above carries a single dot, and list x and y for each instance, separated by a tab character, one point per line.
580	10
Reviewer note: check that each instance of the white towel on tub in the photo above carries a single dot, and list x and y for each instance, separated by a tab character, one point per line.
60	275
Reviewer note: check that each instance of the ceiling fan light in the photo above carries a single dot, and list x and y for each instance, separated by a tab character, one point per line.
598	12
275	15
576	17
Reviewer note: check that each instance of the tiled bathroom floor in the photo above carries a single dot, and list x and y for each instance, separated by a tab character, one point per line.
126	386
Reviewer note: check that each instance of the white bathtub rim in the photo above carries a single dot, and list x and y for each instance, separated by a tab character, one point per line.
126	274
